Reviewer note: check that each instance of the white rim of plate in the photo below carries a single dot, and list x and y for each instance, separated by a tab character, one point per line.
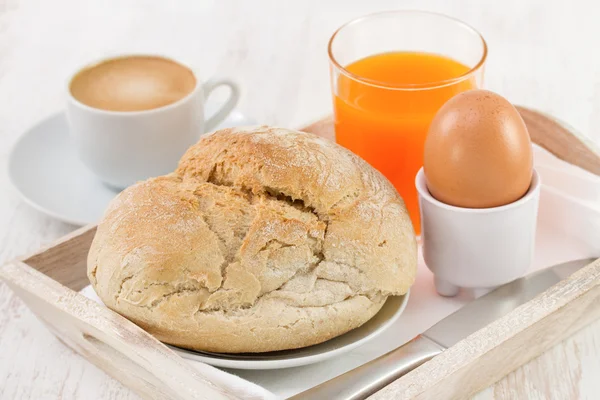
293	362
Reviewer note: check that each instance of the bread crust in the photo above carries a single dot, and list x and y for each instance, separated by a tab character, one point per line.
263	239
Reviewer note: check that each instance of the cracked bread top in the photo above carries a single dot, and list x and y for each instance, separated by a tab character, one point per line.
263	239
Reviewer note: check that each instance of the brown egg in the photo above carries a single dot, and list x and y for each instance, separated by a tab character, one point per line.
478	152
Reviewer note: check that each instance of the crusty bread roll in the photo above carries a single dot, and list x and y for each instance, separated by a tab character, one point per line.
263	239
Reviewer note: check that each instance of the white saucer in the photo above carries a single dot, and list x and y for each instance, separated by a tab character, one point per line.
389	313
44	168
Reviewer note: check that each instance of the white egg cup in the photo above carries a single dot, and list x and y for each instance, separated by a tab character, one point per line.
477	248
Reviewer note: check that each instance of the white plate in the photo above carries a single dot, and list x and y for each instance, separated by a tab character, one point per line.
389	313
44	168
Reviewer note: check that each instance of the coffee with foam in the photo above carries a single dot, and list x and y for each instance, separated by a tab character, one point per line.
133	83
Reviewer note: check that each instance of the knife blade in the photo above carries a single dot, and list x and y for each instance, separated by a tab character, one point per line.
369	378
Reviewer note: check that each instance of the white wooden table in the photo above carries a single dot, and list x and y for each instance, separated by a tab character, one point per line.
543	54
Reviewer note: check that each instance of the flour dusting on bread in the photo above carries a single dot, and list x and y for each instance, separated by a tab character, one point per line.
263	239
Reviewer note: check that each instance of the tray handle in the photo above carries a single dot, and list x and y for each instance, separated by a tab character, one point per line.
116	345
561	140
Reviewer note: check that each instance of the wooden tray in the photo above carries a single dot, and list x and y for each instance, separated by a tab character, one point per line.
49	280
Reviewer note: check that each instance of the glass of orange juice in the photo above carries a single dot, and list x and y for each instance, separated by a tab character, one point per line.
390	73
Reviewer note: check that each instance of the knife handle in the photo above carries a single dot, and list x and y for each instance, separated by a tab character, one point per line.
363	381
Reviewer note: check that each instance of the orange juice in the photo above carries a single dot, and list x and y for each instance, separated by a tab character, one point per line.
383	112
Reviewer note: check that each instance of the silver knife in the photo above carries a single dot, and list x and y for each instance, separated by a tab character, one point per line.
369	378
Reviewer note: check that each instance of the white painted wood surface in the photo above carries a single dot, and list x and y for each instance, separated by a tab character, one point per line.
543	54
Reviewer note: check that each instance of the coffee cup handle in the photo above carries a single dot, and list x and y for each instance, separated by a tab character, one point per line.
223	112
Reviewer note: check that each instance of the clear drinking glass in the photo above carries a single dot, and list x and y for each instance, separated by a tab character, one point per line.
390	73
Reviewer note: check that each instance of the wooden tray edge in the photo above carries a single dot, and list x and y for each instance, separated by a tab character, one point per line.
564	142
546	131
494	351
119	347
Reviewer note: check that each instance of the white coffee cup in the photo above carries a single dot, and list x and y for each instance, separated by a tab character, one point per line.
477	248
123	147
